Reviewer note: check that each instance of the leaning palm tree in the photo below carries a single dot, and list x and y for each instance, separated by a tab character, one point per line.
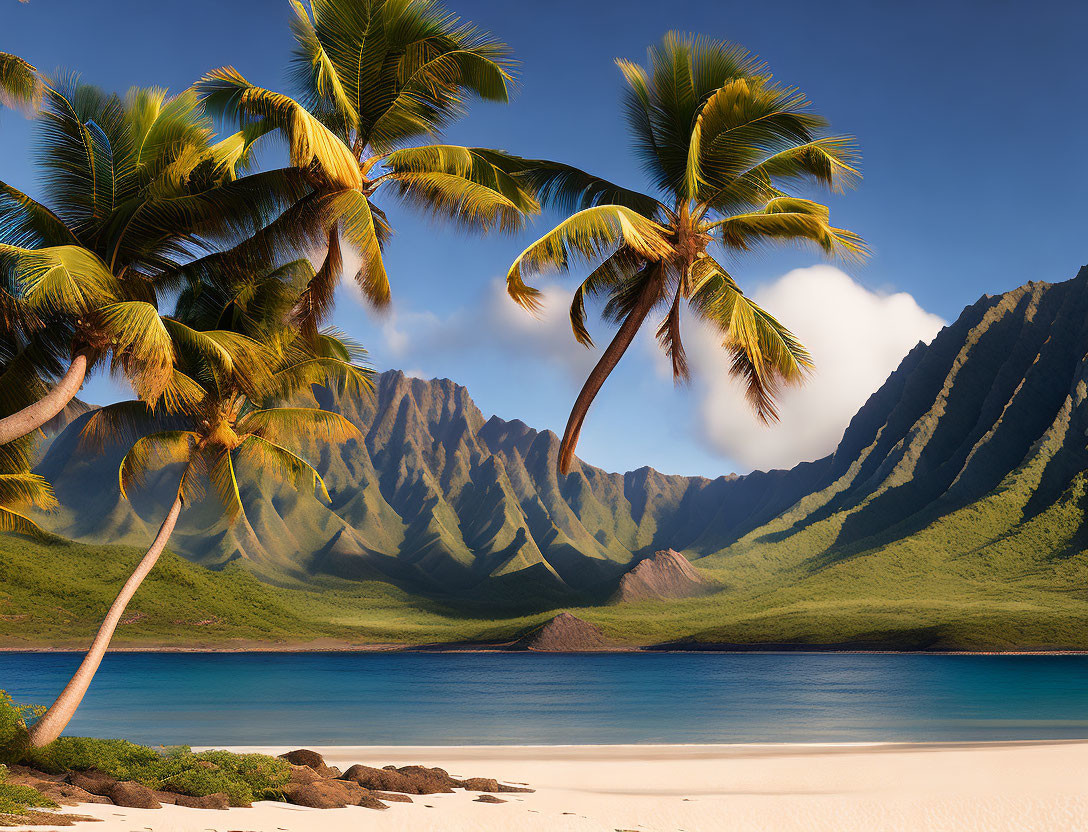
231	420
373	77
722	145
136	187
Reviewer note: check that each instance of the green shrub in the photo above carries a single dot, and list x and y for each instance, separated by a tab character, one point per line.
265	776
201	781
13	719
15	800
117	758
242	777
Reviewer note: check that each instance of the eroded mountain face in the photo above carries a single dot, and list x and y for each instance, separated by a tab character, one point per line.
436	499
993	409
443	502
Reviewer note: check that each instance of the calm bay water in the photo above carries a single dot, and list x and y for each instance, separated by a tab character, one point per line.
479	698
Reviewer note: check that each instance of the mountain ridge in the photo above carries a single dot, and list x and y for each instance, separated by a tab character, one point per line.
434	496
986	424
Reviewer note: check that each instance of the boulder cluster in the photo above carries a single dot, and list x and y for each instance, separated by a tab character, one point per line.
313	784
320	786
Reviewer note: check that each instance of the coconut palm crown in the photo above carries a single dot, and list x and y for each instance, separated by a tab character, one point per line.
134	188
723	146
235	377
234	385
375	81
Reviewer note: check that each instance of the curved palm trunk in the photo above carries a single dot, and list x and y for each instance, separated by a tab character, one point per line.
35	415
60	713
611	357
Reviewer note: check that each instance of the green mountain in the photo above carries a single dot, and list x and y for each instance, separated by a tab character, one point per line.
435	499
952	512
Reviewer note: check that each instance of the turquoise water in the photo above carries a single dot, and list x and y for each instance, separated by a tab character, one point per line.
440	699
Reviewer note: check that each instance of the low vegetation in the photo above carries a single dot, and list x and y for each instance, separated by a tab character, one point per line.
932	590
16	800
242	777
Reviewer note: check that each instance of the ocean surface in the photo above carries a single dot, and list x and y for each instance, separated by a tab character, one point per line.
481	698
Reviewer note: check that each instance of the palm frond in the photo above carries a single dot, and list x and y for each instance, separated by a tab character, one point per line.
668	336
314	69
23	488
69	279
335	343
157	232
459	200
26	223
280	462
428	176
182	394
406	67
789	219
570	189
227	94
118	423
589	234
743	122
627	292
18	455
23	374
82	133
765	355
279	424
18	523
231	358
358	227
155	451
315	302
21	86
225	482
829	160
302	372
141	346
617	268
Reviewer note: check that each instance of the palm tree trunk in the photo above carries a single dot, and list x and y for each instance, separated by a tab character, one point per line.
35	415
60	713
611	357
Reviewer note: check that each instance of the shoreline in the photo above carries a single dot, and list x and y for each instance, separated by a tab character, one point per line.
319	647
1027	786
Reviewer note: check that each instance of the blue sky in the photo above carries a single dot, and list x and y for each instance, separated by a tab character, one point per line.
970	116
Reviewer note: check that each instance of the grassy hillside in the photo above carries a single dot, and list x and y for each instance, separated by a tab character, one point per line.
56	594
891	599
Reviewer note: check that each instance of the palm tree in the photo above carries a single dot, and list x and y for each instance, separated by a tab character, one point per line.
232	419
137	187
722	145
372	77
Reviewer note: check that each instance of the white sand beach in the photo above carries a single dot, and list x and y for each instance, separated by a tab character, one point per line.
975	787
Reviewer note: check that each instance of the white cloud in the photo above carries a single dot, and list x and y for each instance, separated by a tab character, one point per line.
492	323
856	336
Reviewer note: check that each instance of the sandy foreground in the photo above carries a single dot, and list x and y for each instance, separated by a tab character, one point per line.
988	787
